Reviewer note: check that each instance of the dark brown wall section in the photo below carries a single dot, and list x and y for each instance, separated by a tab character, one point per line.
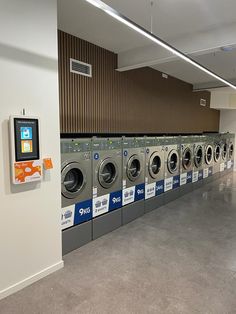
134	101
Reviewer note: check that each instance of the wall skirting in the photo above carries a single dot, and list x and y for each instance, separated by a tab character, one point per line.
29	280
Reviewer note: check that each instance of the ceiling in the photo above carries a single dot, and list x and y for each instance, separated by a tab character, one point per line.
174	18
220	62
81	19
197	27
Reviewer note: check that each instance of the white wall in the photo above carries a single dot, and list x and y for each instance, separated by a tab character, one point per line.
30	237
223	98
228	124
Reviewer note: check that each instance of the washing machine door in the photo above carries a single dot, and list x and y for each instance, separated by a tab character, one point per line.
134	168
107	172
208	154
72	180
154	165
231	150
217	153
187	158
173	161
198	156
224	151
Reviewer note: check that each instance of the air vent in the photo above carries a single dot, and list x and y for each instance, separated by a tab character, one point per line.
203	102
80	68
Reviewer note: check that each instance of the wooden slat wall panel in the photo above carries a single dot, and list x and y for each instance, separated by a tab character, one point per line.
133	101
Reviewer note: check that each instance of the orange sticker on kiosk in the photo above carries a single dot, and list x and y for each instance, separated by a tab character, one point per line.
27	171
47	162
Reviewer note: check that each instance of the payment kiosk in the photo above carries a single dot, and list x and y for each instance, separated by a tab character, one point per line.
26	162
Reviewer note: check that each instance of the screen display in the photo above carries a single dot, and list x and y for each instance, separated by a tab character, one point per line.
26	133
26	139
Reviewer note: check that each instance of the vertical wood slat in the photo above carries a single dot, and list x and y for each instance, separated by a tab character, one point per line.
134	101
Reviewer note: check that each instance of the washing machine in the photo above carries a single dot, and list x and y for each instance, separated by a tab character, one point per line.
172	167
198	159
208	158
154	172
76	193
133	186
231	142
216	153
107	184
224	141
186	163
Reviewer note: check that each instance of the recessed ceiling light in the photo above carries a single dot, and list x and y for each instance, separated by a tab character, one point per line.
123	19
228	48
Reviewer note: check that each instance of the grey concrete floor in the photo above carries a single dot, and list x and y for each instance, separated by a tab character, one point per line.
180	258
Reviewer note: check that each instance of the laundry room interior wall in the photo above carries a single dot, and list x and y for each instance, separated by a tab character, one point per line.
228	124
139	100
30	235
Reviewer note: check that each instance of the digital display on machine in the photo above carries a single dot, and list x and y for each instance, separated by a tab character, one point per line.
26	139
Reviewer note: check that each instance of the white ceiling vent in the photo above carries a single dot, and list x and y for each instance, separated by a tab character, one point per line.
80	68
203	102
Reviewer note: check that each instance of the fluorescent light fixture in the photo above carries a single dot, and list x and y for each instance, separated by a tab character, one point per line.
95	3
121	18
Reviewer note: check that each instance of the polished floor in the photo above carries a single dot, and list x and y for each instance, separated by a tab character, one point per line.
180	258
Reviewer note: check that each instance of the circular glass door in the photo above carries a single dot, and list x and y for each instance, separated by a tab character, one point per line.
133	168
217	153
209	154
224	151
198	156
107	173
187	158
154	165
173	161
231	150
72	180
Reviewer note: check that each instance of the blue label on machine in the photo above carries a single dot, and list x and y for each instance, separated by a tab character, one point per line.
96	156
115	200
210	171
176	182
200	175
83	212
189	176
159	187
139	192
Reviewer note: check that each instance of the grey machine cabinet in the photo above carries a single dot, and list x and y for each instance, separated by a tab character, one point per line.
133	178
107	188
76	193
154	172
186	164
172	168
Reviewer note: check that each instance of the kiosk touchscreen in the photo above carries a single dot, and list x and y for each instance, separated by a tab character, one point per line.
25	149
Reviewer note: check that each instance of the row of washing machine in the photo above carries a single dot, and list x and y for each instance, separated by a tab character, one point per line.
107	182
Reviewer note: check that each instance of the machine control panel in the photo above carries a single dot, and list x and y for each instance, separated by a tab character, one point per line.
133	142
161	141
150	141
173	140
106	143
75	146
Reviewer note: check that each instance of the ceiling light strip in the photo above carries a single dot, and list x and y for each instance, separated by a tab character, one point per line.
121	18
